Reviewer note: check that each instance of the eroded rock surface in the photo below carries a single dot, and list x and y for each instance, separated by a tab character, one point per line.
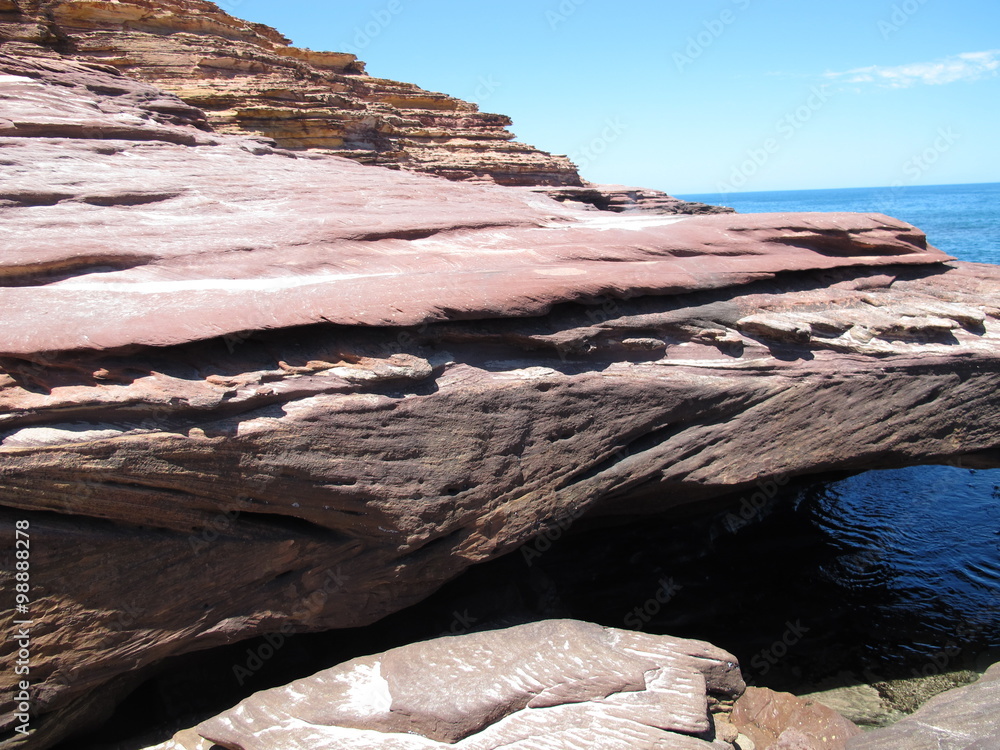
624	199
553	684
205	250
246	390
248	80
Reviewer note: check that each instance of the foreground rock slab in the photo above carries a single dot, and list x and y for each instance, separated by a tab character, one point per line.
965	718
554	684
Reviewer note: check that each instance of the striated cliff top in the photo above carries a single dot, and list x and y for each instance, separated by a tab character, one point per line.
248	79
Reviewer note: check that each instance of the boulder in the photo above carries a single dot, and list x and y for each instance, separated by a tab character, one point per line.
781	721
553	684
863	704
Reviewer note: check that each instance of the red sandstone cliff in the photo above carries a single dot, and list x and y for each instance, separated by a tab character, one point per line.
249	80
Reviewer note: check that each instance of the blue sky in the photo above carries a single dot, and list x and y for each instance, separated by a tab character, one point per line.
712	96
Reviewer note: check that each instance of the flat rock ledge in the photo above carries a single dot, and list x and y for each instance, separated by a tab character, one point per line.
552	685
965	718
625	199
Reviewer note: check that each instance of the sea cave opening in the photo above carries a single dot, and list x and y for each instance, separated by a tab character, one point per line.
877	590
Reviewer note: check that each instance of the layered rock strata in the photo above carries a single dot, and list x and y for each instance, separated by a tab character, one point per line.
624	199
247	390
249	80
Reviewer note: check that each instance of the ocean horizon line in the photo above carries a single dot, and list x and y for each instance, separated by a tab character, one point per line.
749	193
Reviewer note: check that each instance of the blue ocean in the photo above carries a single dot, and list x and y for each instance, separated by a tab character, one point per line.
963	220
915	551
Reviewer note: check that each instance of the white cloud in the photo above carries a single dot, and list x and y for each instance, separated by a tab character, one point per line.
969	66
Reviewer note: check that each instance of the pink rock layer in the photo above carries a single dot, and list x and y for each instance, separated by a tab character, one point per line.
130	230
